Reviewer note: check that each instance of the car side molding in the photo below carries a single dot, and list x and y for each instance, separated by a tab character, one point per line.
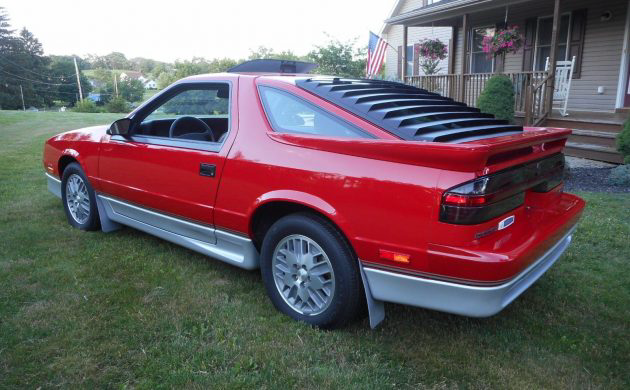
219	244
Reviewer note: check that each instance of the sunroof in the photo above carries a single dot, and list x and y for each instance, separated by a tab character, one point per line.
409	112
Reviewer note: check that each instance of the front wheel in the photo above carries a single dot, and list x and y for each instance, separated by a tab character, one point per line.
310	272
79	199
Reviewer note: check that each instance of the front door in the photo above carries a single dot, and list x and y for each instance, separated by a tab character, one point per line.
172	160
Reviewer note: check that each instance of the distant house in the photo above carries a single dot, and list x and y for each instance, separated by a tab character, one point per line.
131	75
150	84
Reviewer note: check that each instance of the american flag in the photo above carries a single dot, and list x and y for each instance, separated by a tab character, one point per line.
375	56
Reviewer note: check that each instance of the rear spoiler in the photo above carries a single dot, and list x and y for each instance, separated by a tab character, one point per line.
482	156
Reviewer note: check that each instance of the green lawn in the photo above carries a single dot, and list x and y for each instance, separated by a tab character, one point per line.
128	310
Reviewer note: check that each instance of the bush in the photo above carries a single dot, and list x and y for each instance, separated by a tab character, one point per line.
117	104
497	98
85	106
623	142
620	176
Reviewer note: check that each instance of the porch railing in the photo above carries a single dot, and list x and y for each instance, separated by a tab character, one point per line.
467	87
536	109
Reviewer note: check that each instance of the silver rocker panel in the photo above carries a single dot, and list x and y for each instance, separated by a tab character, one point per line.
219	244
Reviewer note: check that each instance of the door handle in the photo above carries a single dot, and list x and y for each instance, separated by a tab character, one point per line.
207	169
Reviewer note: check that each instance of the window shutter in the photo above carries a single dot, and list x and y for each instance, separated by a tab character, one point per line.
529	45
416	59
576	43
400	49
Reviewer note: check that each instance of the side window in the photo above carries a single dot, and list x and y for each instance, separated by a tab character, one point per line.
290	114
199	113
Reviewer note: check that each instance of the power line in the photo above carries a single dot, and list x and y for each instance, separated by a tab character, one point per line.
31	80
35	73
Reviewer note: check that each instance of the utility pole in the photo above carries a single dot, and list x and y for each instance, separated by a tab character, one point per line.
22	93
116	83
76	68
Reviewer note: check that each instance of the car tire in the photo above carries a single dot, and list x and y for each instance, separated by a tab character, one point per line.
79	199
310	271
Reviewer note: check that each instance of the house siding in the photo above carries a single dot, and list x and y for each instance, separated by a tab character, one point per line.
601	58
394	36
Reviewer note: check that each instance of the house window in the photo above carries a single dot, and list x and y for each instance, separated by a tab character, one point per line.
479	61
433	1
543	40
409	65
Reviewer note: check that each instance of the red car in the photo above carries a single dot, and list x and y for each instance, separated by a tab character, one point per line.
342	191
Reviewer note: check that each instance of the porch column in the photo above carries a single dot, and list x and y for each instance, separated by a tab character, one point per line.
403	70
552	56
464	68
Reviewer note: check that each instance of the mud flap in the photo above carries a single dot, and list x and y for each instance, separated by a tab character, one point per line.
376	309
107	225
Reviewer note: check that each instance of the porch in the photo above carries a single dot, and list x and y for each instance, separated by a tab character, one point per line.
530	90
594	132
595	33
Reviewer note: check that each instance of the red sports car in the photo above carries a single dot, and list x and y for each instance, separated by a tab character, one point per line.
344	192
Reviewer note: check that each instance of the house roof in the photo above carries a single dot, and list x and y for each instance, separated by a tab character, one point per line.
445	9
392	13
132	74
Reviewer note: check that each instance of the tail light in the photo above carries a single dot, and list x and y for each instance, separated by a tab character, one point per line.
490	196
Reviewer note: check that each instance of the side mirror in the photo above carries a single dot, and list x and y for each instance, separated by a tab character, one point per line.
120	127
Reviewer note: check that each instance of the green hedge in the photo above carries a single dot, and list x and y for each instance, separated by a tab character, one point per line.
86	106
623	142
497	98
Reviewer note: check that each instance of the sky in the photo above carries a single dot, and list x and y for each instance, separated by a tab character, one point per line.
182	29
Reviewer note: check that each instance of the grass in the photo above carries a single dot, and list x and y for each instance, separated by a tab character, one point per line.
125	309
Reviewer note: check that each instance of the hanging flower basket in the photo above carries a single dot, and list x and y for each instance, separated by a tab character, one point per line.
507	40
432	51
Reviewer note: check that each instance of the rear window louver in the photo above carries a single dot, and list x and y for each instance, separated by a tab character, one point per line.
408	112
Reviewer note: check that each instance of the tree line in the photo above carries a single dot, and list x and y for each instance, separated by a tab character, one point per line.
50	80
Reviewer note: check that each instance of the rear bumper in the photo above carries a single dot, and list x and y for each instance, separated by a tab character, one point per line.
472	301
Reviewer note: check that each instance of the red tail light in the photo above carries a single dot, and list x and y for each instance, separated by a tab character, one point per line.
488	197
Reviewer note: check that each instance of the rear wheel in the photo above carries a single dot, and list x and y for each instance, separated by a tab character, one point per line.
79	199
310	272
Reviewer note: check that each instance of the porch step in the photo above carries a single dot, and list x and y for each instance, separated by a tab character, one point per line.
592	137
593	152
609	127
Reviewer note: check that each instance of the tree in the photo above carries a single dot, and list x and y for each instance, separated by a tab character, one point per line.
23	69
266	53
339	59
61	69
113	60
117	104
132	90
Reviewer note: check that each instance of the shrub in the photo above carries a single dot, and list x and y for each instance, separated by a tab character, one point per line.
85	106
117	104
497	98
623	142
620	176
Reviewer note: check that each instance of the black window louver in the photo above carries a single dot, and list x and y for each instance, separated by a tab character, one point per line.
409	112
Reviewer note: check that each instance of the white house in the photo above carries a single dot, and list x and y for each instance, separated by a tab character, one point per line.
131	75
393	34
150	84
